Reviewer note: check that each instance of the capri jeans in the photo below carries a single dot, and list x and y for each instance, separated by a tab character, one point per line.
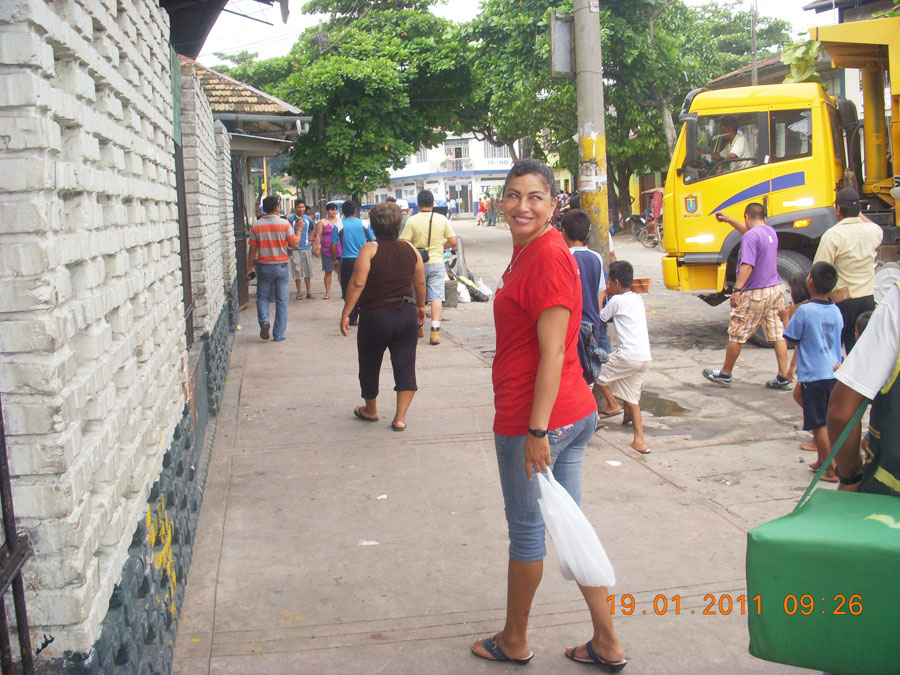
395	329
520	495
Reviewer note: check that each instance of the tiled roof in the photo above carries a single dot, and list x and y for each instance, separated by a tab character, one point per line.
227	95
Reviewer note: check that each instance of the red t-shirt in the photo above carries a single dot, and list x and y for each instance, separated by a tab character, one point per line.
543	274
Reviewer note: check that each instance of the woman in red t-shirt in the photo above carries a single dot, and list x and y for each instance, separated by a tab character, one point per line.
544	412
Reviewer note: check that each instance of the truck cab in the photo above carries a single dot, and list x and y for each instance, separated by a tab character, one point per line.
780	145
789	147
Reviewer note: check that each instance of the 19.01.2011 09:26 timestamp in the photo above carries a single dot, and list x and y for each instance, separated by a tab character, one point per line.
724	604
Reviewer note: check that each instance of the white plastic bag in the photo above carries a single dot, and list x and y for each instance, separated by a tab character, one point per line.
581	555
463	292
483	287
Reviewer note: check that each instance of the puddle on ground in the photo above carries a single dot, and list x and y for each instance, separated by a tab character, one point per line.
658	406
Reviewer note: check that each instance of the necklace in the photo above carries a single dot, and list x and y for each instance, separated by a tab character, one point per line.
518	255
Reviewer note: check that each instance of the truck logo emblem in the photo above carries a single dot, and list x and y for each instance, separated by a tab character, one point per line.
690	203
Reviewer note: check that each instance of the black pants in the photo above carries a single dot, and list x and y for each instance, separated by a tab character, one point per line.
394	329
347	265
850	311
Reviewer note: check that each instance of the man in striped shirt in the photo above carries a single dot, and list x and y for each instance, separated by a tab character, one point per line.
270	240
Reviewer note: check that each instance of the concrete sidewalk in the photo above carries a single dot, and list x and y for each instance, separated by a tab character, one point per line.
330	545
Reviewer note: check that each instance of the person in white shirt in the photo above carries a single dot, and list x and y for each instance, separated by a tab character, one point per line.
737	146
622	376
870	372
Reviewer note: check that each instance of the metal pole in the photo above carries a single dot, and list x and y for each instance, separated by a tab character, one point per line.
592	186
12	544
754	77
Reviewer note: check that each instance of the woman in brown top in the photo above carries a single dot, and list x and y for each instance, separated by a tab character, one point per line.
386	271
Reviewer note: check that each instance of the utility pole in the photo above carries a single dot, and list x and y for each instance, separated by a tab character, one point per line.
592	184
754	76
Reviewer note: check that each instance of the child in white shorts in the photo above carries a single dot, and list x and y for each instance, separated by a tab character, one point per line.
623	376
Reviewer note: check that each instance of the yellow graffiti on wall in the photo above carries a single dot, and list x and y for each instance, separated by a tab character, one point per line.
160	531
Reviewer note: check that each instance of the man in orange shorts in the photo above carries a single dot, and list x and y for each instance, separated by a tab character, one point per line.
756	297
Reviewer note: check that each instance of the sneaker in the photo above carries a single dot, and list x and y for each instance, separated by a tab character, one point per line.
717	376
435	338
779	382
421	331
264	330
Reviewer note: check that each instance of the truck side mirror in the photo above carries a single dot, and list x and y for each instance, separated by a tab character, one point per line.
690	141
847	113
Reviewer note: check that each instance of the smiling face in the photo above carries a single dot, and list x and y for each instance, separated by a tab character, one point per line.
527	205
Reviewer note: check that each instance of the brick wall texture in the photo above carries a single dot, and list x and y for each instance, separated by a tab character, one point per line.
204	204
226	208
92	346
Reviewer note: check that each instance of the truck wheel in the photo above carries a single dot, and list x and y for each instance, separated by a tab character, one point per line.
789	263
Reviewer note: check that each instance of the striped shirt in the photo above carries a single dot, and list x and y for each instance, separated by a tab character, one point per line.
270	235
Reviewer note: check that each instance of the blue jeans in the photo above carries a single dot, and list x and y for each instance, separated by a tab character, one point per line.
520	495
273	282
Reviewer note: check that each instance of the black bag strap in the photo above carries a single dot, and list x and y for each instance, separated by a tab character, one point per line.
428	244
851	425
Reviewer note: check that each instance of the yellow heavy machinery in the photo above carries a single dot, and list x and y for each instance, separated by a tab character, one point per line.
789	146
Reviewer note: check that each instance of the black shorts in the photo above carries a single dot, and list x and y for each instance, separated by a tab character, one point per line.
815	402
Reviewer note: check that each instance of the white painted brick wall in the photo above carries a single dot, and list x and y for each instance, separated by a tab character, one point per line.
91	316
208	250
226	208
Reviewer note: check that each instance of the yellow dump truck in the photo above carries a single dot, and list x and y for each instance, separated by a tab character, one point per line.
789	146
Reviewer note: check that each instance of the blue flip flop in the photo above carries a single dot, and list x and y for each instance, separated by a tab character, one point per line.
491	647
594	659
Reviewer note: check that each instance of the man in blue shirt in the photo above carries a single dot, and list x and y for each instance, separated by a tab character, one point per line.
353	236
301	258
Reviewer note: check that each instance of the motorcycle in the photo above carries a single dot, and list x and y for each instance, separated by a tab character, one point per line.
645	229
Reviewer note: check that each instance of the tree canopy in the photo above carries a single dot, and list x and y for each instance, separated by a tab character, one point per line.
513	96
375	80
382	78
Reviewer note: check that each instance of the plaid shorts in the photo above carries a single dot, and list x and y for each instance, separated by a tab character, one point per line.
755	307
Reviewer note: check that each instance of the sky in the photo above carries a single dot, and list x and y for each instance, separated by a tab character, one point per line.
233	33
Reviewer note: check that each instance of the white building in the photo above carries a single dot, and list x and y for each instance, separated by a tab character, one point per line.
461	168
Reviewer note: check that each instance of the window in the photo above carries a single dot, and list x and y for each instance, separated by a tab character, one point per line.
791	134
457	149
491	151
421	155
725	144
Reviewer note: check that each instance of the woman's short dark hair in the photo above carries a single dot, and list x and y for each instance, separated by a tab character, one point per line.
526	167
385	219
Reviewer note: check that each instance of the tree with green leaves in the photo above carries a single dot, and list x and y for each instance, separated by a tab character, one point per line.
376	85
513	98
241	58
379	79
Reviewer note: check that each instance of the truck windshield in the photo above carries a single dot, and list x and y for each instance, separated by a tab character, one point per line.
725	143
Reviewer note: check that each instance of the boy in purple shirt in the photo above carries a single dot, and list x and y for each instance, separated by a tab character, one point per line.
756	297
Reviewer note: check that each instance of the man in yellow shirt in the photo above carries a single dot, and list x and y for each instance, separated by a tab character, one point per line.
851	246
431	231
